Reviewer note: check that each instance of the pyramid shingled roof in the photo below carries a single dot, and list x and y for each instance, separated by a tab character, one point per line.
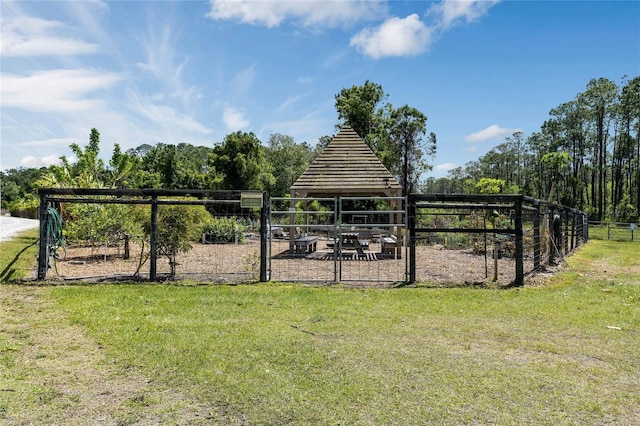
346	166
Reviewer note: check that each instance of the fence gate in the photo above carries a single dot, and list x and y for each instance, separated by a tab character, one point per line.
338	239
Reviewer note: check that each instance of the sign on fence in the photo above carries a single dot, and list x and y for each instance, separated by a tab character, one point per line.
251	200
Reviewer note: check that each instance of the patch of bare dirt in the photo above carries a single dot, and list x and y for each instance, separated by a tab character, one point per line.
222	263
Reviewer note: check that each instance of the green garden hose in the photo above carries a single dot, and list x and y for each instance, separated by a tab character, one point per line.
55	240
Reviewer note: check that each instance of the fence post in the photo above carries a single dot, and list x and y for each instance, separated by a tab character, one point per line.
519	244
565	239
264	216
551	242
153	239
536	238
412	238
43	255
573	229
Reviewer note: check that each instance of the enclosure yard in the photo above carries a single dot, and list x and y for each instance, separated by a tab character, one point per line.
238	263
239	237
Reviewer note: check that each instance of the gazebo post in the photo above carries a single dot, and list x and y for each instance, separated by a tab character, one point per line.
292	222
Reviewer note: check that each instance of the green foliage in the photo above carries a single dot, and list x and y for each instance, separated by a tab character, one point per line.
625	211
241	160
28	206
404	146
289	160
122	168
223	230
178	226
99	224
395	135
490	186
16	184
359	107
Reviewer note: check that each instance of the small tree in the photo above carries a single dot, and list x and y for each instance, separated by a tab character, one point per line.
178	226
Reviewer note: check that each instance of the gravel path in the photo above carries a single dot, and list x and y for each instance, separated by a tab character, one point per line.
10	226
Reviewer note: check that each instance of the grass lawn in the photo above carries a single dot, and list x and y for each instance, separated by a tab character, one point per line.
565	352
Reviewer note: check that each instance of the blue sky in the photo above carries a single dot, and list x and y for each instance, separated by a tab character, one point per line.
191	71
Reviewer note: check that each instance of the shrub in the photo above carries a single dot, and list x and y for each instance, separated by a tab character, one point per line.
223	230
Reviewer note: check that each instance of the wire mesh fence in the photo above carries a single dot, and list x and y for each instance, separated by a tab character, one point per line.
614	231
462	240
232	236
148	235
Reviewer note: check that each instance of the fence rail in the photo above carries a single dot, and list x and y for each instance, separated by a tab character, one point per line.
437	238
615	231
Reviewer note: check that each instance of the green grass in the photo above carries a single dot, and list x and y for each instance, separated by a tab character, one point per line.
613	232
272	354
18	259
562	353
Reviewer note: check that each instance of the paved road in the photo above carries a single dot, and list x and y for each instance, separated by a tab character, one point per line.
10	226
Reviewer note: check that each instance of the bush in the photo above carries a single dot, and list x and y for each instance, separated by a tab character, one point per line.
27	207
223	230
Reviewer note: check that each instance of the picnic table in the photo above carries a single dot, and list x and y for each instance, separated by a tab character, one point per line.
352	241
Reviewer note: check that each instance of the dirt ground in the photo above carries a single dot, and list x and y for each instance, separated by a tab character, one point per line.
220	263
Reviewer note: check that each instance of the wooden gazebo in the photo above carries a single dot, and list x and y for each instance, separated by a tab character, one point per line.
346	167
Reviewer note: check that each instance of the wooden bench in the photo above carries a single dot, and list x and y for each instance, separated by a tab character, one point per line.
390	247
305	245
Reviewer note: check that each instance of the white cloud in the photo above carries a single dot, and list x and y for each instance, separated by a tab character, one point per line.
289	102
28	36
55	90
240	85
306	13
161	62
492	132
34	162
50	142
394	37
235	119
445	167
450	13
166	117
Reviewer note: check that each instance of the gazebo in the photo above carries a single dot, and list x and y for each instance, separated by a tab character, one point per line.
347	167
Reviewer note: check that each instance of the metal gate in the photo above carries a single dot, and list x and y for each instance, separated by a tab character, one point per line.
338	239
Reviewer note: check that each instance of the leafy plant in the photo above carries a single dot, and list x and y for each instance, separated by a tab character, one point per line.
223	230
177	228
100	224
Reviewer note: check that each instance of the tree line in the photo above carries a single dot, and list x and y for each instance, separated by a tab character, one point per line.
240	161
586	155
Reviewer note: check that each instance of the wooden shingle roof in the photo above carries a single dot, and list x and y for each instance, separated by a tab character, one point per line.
346	167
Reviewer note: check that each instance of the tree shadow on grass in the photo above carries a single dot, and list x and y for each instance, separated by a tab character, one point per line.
8	272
